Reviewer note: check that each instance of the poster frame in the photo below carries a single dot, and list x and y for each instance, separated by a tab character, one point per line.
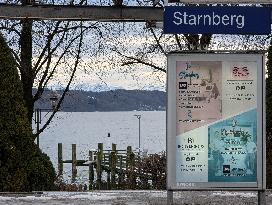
172	58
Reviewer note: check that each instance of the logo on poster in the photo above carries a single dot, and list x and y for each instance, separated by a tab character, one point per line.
183	85
240	72
226	169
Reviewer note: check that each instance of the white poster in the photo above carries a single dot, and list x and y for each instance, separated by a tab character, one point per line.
216	132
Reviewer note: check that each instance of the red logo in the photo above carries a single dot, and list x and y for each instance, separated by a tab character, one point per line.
240	72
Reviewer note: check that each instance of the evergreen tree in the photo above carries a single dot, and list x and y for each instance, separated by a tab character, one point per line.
23	167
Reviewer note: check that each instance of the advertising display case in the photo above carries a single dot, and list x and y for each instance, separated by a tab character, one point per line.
215	121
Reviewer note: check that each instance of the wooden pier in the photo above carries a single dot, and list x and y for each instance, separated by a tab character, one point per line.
110	169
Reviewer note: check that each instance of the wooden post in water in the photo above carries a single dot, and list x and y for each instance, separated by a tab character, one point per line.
60	160
133	171
98	165
113	155
129	151
121	173
130	168
91	170
109	171
108	180
74	163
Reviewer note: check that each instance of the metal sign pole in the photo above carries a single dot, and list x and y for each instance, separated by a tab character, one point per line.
170	197
261	197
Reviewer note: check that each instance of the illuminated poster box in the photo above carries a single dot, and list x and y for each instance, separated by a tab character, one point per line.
215	121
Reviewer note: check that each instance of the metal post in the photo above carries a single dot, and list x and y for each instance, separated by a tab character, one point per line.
139	118
139	132
261	197
38	113
170	197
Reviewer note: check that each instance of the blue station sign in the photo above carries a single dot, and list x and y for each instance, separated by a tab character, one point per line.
217	20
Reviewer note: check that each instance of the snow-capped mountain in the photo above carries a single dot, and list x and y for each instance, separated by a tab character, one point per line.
95	87
99	87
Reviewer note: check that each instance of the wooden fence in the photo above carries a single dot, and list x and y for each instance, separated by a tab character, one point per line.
117	166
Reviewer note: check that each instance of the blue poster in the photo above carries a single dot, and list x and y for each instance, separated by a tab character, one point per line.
232	149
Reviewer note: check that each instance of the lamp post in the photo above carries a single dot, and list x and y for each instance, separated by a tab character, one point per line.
54	98
38	120
139	118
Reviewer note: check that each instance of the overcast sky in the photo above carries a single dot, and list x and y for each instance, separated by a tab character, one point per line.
101	65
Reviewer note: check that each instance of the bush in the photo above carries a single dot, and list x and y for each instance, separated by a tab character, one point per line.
41	173
155	166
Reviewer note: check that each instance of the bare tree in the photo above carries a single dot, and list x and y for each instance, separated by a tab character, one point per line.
155	46
46	46
40	49
161	44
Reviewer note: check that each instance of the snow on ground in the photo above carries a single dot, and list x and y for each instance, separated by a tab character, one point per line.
128	197
229	194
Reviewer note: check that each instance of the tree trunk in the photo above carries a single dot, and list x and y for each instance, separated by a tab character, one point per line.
27	77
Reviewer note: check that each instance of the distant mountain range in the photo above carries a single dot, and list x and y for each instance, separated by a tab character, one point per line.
95	87
100	87
112	100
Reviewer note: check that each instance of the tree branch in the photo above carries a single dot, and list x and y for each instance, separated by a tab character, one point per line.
39	67
11	28
138	61
18	61
157	41
40	90
43	82
50	38
65	29
67	87
178	41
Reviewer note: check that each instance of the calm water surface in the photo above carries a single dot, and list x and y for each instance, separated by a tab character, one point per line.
87	129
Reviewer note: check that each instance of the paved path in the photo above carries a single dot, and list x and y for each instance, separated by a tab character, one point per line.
133	198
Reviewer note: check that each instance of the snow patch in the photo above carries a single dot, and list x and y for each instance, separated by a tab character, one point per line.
32	198
158	194
93	196
25	198
5	198
245	195
77	195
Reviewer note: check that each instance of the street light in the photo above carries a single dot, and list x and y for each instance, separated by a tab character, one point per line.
54	98
139	118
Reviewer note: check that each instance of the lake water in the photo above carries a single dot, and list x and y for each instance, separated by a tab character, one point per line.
87	129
